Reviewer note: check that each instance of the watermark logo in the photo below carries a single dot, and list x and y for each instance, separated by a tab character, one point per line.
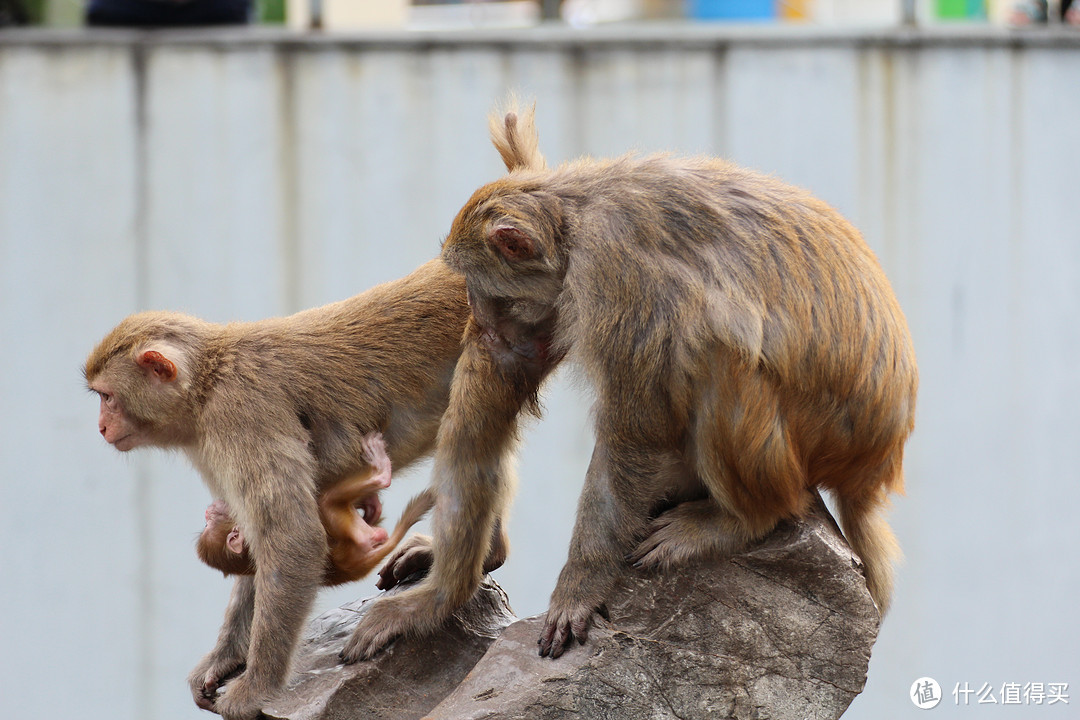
925	693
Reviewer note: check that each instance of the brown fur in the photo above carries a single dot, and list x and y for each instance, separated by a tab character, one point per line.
347	560
272	413
744	346
212	547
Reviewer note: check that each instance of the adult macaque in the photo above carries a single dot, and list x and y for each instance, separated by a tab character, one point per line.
272	413
357	545
743	344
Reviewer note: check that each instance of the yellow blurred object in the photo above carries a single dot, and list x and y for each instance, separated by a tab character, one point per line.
799	10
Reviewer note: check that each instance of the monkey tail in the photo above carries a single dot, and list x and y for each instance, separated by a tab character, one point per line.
414	511
873	541
514	135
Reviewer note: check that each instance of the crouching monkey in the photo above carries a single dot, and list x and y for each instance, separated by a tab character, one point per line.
744	348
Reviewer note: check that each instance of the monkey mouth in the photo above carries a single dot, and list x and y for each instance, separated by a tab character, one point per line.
117	443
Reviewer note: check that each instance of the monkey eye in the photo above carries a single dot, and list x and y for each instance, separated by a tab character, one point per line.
106	398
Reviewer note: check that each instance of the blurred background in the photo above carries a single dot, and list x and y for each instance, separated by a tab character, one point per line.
313	149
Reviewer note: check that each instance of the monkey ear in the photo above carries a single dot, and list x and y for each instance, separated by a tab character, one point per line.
163	368
512	243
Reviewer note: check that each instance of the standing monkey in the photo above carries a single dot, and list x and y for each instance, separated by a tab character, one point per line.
272	414
744	346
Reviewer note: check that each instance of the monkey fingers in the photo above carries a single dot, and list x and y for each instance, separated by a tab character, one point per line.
217	511
413	556
563	626
206	680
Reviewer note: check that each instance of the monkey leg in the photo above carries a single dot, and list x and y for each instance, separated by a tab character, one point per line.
456	566
473	481
337	504
620	487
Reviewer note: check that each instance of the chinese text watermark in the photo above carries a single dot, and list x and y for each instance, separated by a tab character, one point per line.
926	693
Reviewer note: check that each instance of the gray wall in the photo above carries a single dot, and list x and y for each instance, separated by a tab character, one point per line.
241	176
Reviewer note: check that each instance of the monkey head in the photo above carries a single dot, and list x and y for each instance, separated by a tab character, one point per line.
141	372
507	241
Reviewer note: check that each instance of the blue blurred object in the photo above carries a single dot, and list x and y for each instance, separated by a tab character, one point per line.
733	9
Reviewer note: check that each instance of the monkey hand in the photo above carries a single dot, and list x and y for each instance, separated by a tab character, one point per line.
566	622
209	675
374	448
240	700
412	556
415	610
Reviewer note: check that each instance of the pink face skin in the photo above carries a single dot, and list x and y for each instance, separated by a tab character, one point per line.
113	425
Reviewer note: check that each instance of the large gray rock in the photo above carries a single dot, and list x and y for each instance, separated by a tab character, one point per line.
403	682
782	631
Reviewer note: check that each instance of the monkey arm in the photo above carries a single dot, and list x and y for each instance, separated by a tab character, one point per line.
624	480
267	479
290	562
473	480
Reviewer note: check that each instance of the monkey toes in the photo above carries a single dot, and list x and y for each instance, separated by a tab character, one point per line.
689	530
563	626
374	448
664	548
413	556
385	620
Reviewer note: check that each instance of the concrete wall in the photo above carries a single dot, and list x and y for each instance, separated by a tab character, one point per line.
237	176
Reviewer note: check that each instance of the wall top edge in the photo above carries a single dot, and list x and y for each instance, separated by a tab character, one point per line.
668	35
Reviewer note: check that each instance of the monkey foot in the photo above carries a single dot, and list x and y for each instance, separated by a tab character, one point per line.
563	626
412	556
383	623
374	448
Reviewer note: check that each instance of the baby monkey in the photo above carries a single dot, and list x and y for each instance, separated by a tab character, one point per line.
357	544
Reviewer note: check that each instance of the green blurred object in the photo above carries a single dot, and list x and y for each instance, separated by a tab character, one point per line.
961	9
271	12
35	9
